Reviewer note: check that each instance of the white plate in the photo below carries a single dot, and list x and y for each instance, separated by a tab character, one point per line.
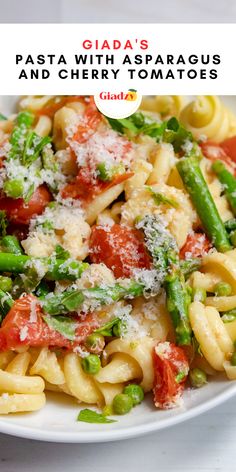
56	422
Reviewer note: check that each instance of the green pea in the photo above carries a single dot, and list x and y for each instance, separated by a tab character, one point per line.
135	392
197	377
13	188
5	283
122	404
222	289
95	342
91	364
233	358
199	295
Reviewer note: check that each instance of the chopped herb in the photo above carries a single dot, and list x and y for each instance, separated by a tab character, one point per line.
61	253
170	131
2	117
63	325
160	198
107	328
72	300
176	134
34	145
90	416
33	274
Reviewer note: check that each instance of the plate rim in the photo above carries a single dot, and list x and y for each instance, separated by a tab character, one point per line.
83	437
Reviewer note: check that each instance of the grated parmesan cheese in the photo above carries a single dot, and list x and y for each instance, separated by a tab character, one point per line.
33	311
101	146
24	333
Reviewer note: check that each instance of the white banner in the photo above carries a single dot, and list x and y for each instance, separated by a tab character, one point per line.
77	59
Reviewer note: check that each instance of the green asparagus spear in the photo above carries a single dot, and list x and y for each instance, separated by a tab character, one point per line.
177	305
189	265
164	251
197	188
159	242
17	138
228	181
58	269
11	244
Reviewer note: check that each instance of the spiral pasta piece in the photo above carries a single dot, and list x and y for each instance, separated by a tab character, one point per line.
101	202
141	351
43	126
64	120
47	366
181	215
19	392
81	385
121	368
18	403
222	265
210	332
34	103
162	161
208	116
142	170
165	105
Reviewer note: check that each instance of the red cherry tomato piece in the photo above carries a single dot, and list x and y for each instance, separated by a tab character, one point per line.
91	120
214	152
170	373
18	211
229	147
24	326
196	245
84	188
120	248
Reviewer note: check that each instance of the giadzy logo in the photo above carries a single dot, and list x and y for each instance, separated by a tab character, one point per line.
131	95
118	104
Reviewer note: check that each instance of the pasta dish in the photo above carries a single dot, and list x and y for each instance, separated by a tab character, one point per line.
117	252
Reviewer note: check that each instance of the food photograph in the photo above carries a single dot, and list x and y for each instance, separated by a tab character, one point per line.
117	262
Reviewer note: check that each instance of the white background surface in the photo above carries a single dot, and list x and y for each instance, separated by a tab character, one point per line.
205	444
